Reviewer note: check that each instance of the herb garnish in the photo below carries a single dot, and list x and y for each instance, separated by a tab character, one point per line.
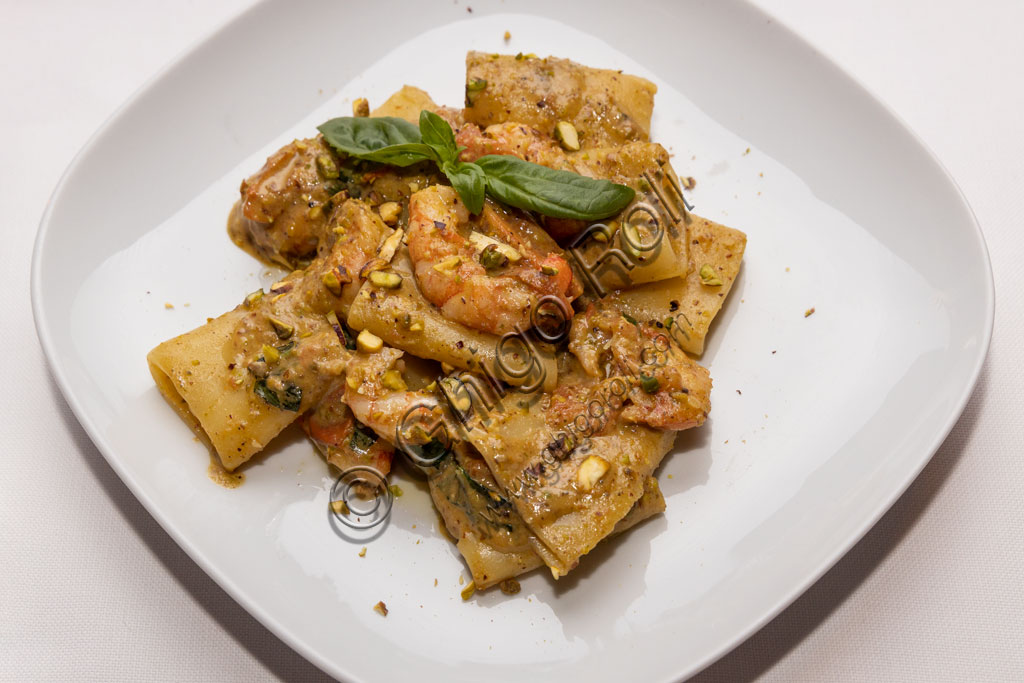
518	183
362	438
290	400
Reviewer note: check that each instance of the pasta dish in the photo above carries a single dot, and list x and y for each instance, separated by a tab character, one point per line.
512	294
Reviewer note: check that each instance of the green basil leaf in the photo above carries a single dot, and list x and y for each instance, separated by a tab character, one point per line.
468	180
560	194
362	438
384	139
291	400
438	135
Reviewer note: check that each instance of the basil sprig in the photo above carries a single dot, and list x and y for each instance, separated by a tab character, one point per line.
393	141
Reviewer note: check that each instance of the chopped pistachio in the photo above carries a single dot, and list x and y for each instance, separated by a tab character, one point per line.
689	182
567	136
416	326
396	491
332	283
600	236
591	471
368	342
327	166
491	258
271	354
549	270
474	87
381	609
649	384
709	277
343	275
448	265
362	552
372	265
508	36
315	212
390	245
361	107
352	381
379	278
509	586
339	507
809	312
251	298
468	591
481	241
392	379
389	212
461	401
282	286
283	329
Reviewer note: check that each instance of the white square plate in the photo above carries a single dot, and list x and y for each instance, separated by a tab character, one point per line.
819	422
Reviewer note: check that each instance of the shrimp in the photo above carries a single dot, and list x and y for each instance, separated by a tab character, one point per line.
379	398
666	388
515	139
489	273
343	442
280	216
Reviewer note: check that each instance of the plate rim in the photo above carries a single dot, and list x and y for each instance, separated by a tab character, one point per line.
59	370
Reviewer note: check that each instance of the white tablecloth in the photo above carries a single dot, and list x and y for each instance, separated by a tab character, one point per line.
91	587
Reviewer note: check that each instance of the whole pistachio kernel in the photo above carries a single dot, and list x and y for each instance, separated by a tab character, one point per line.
283	329
327	167
709	277
549	270
379	278
491	258
567	136
251	298
649	384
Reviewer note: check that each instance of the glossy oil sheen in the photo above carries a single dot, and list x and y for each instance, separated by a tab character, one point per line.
845	212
